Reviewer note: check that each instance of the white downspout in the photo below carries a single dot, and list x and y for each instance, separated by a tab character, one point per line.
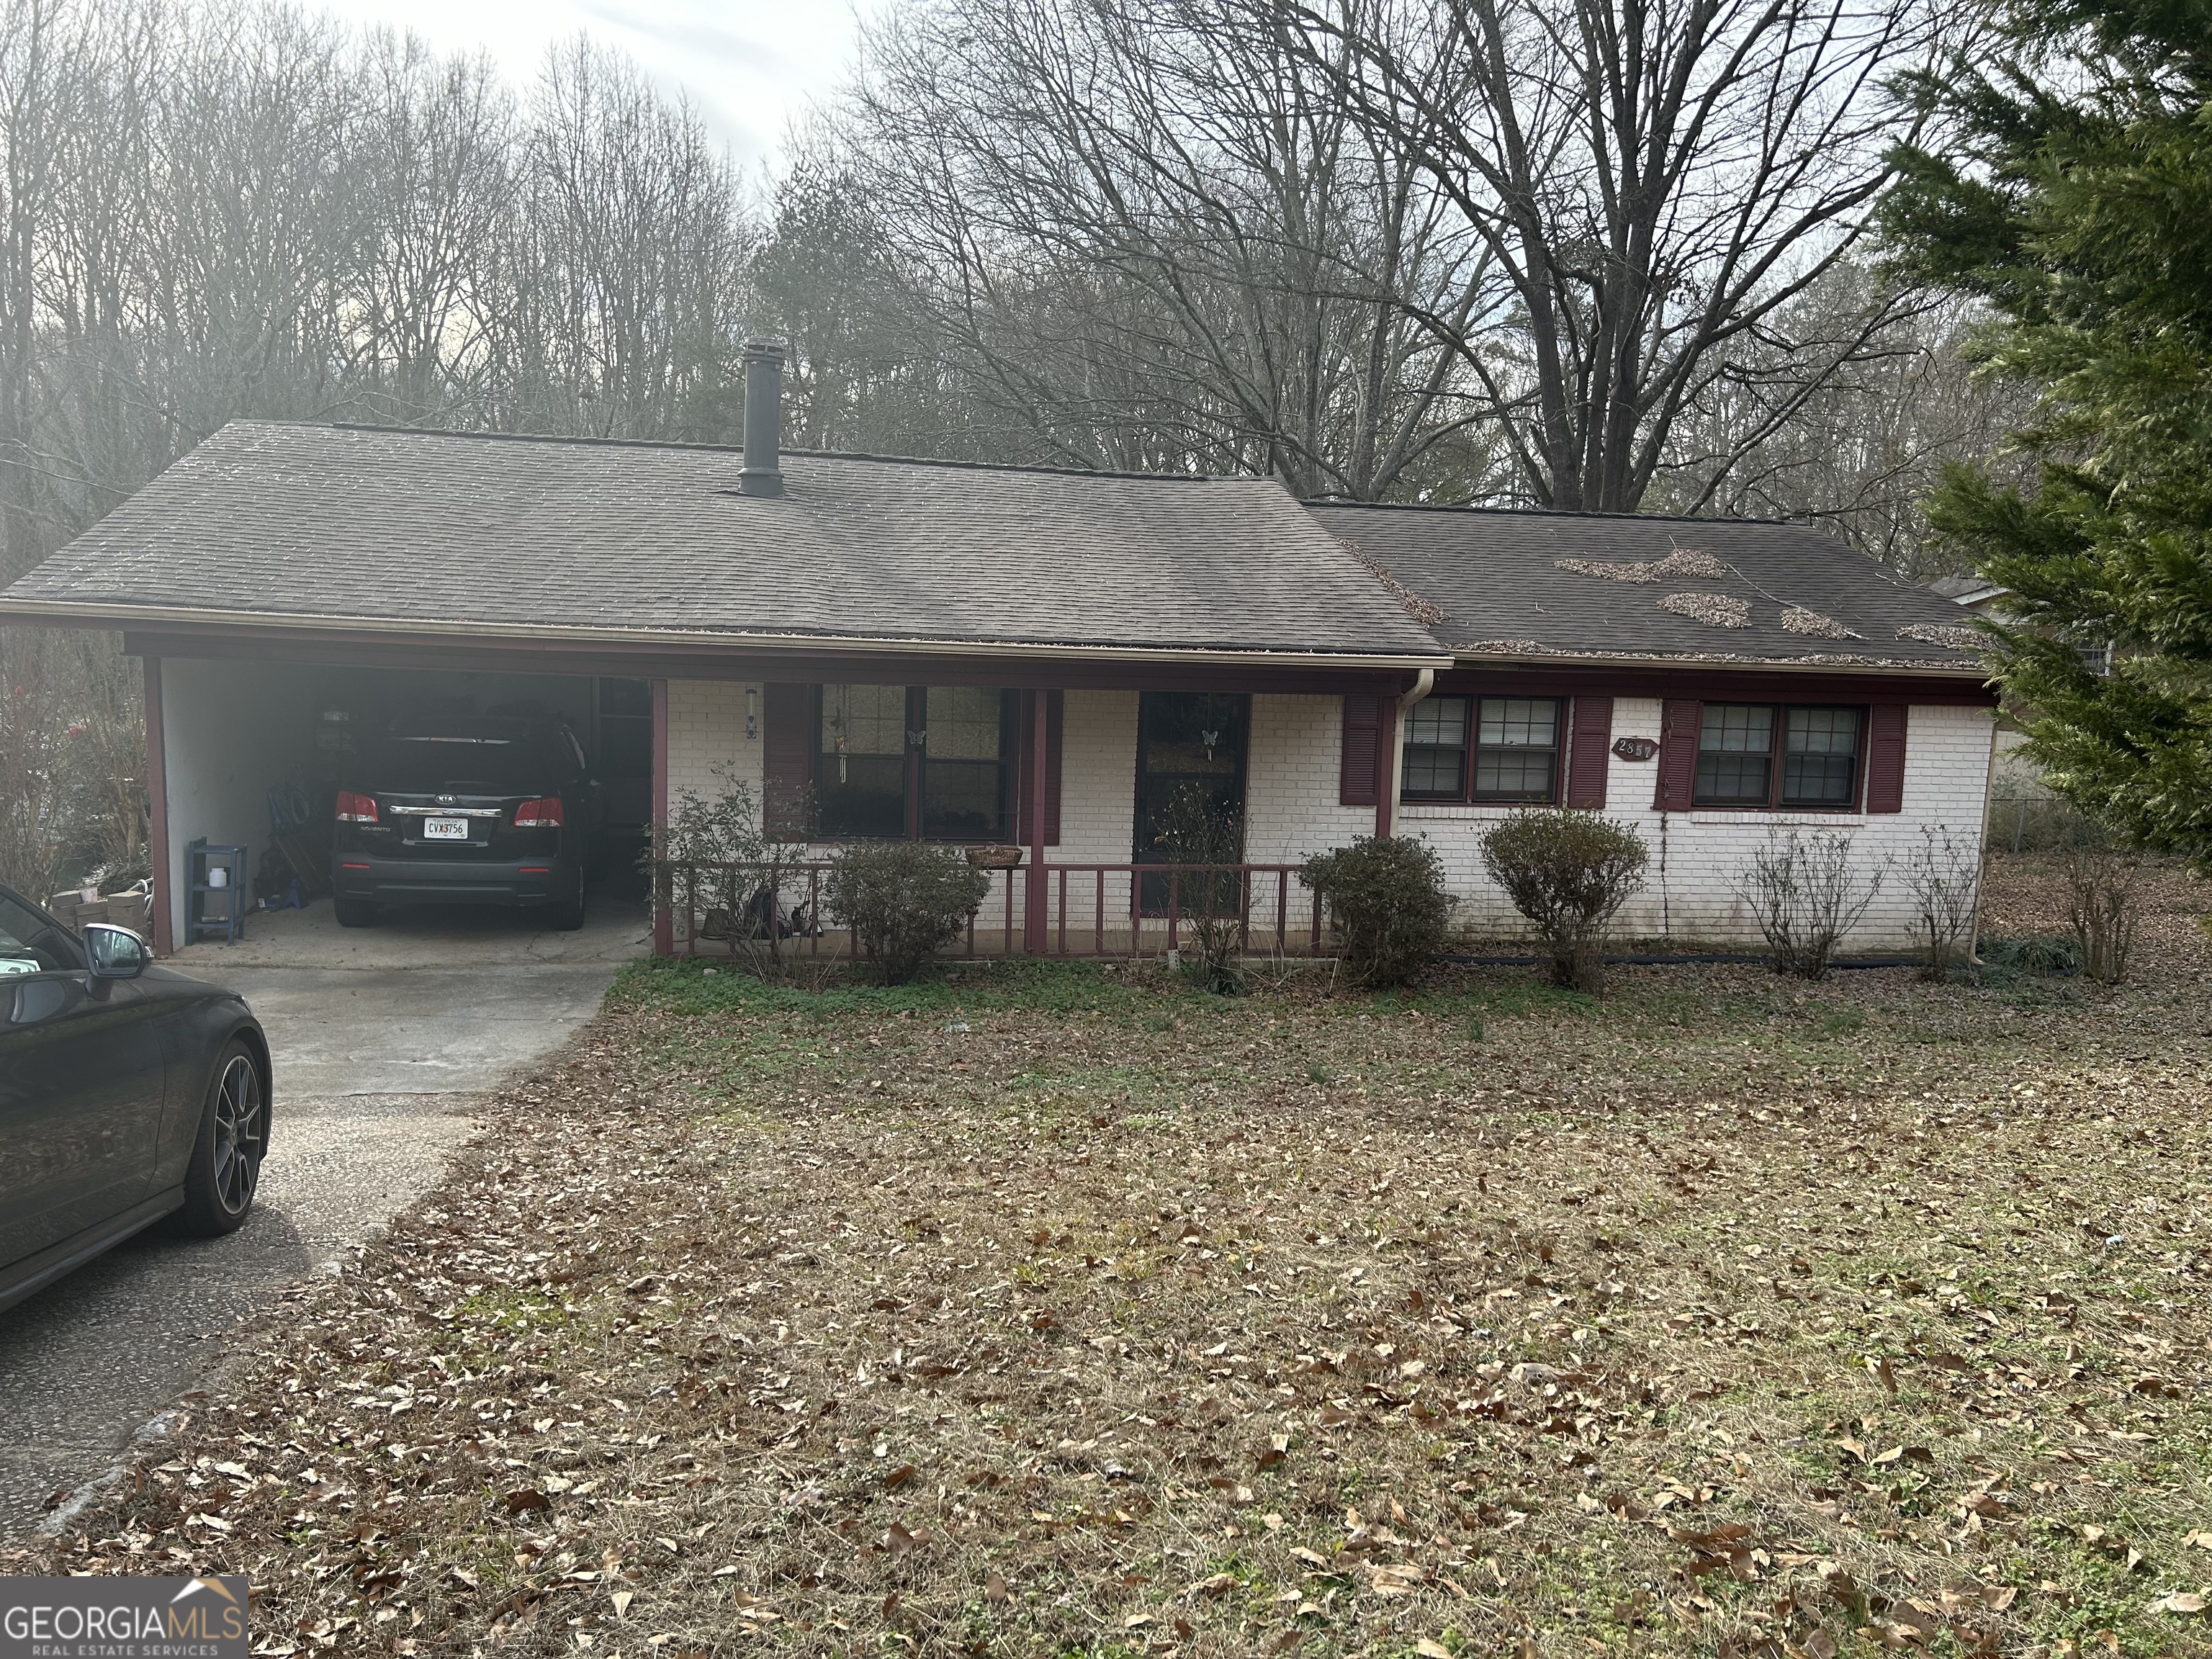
1424	682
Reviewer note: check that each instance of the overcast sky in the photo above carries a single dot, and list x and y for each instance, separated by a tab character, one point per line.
748	65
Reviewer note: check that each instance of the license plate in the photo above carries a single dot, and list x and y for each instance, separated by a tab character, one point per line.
445	828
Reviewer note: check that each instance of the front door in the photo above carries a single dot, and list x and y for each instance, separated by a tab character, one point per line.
1193	741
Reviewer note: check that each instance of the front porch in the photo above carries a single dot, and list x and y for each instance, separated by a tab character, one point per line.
1089	910
826	760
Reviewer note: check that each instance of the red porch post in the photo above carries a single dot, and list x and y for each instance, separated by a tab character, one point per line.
157	814
664	919
1035	901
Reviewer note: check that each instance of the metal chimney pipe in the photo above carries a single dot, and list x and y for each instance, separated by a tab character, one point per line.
763	473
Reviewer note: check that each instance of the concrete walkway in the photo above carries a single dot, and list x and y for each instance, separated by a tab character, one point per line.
384	1039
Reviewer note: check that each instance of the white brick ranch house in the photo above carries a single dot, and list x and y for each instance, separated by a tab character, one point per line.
1030	658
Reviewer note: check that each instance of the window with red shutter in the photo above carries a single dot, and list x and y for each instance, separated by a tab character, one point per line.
1360	760
1680	720
1589	755
888	762
1885	787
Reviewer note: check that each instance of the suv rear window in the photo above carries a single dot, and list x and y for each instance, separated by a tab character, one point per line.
457	763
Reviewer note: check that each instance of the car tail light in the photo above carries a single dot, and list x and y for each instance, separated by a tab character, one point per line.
355	809
545	813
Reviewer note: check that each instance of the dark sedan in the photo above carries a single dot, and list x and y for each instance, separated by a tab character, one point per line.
128	1093
488	811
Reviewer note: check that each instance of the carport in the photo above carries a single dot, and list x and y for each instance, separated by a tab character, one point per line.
242	746
291	586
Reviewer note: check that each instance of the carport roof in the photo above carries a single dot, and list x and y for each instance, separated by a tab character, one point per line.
271	525
1620	587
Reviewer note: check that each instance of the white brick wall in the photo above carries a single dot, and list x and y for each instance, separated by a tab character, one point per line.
1290	781
1688	897
1292	809
707	730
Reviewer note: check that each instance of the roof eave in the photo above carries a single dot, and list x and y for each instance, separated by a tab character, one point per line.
65	613
1774	665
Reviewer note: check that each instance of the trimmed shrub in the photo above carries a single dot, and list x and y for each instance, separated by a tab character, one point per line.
903	901
1569	871
1387	895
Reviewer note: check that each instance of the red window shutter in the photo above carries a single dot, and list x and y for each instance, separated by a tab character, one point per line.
1055	720
1589	757
1359	767
1679	723
1885	785
787	761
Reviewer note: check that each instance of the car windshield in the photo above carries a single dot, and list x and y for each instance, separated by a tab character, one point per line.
480	760
32	942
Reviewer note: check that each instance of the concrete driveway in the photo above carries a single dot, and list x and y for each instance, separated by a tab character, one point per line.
384	1039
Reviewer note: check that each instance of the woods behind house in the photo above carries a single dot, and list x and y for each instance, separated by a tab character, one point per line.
1588	253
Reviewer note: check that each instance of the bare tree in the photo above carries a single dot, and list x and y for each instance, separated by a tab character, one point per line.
226	208
632	250
1155	236
1652	184
1859	453
39	88
437	143
2104	905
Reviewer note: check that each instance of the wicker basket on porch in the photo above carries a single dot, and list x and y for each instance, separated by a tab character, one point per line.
994	858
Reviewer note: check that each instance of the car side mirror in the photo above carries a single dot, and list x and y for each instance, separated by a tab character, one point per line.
115	952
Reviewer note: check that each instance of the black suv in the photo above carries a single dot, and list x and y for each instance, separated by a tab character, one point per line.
466	812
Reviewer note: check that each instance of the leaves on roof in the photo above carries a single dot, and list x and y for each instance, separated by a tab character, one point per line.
1796	619
1955	637
1420	610
1683	562
1721	610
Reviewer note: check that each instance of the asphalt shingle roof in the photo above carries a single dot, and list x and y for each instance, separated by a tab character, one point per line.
275	523
269	521
1737	591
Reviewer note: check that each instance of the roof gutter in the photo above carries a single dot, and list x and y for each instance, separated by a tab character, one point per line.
57	613
1766	664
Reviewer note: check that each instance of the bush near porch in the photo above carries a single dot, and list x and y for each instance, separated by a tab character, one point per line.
1053	1310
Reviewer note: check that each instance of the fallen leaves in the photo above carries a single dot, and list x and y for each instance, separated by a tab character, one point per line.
1086	1323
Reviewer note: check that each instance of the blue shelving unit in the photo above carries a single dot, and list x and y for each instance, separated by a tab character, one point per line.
213	909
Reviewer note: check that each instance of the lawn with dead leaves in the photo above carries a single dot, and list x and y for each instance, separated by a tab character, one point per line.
1065	1310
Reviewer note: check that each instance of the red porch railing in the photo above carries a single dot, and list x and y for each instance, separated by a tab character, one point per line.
1091	909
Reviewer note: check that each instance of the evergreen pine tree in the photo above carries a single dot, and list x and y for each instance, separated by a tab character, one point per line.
2075	199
